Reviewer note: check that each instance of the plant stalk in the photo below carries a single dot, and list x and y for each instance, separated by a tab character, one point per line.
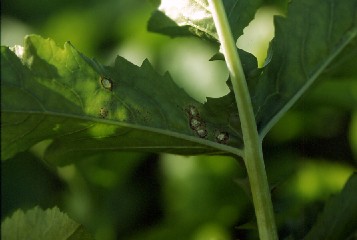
253	155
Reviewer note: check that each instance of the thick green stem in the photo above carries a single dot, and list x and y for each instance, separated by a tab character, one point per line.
253	156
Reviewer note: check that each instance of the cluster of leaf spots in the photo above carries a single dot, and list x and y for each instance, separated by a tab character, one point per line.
107	84
198	125
196	121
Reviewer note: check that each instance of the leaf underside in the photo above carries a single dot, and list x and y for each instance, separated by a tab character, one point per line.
306	43
59	94
37	224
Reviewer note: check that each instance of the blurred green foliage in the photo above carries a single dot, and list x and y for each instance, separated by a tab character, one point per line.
309	154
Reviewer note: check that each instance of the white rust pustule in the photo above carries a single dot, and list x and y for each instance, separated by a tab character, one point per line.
106	83
222	137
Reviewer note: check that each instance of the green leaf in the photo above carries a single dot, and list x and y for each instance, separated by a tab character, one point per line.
339	217
316	37
193	17
37	224
54	93
306	43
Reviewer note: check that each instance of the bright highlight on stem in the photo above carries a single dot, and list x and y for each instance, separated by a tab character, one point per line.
253	156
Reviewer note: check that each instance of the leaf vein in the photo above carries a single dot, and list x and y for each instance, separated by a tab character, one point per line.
10	142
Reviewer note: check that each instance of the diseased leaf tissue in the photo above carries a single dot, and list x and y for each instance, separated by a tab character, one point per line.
64	96
68	96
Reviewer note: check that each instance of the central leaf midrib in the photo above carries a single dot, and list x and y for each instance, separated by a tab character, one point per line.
167	132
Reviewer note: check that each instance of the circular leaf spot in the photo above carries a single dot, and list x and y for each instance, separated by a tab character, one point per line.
195	122
201	132
107	83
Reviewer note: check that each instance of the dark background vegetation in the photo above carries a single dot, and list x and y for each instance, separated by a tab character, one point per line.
309	154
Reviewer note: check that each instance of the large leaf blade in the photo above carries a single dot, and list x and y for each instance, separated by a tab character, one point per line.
306	43
54	93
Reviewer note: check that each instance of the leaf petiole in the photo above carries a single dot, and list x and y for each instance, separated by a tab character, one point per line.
252	155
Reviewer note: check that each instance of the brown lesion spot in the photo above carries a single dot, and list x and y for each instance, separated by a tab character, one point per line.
196	123
103	112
